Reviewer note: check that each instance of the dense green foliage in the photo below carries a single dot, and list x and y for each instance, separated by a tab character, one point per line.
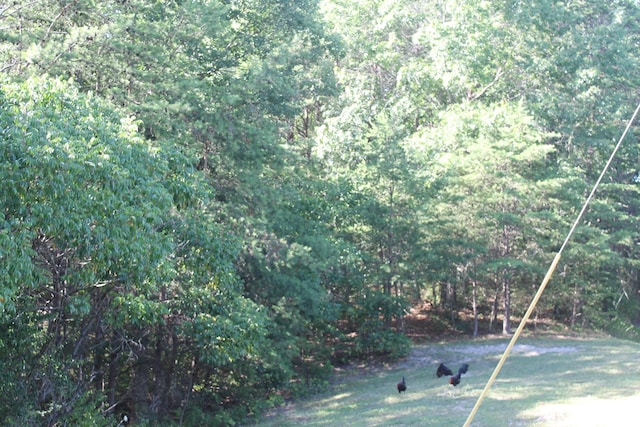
207	204
107	277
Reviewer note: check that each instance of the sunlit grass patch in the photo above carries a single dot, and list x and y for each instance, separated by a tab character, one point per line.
586	411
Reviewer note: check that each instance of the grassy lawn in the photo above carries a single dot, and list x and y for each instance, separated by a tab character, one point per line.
545	382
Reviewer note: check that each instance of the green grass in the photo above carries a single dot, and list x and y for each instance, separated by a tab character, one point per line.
545	382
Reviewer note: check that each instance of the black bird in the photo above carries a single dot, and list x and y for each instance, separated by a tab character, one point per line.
402	386
463	369
455	380
443	370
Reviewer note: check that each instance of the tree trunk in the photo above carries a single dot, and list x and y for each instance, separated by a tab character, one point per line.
434	293
575	309
494	312
474	304
159	381
451	302
140	383
113	377
400	291
506	321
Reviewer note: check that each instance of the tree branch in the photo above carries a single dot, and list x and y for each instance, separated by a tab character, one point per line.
472	97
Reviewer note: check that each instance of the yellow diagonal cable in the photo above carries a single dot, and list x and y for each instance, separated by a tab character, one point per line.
547	277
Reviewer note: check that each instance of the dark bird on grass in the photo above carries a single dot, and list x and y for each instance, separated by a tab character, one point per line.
455	380
443	370
463	369
402	386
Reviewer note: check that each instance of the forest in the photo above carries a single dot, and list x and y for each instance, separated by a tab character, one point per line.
207	205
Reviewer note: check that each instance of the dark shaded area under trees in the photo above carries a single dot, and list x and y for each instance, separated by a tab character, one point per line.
206	205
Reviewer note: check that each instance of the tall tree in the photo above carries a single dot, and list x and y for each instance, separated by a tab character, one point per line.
222	82
416	62
496	184
103	255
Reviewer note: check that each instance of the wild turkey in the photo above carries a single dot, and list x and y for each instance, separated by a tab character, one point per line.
455	380
443	370
402	386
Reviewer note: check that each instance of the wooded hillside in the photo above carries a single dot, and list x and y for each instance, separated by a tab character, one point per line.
207	204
